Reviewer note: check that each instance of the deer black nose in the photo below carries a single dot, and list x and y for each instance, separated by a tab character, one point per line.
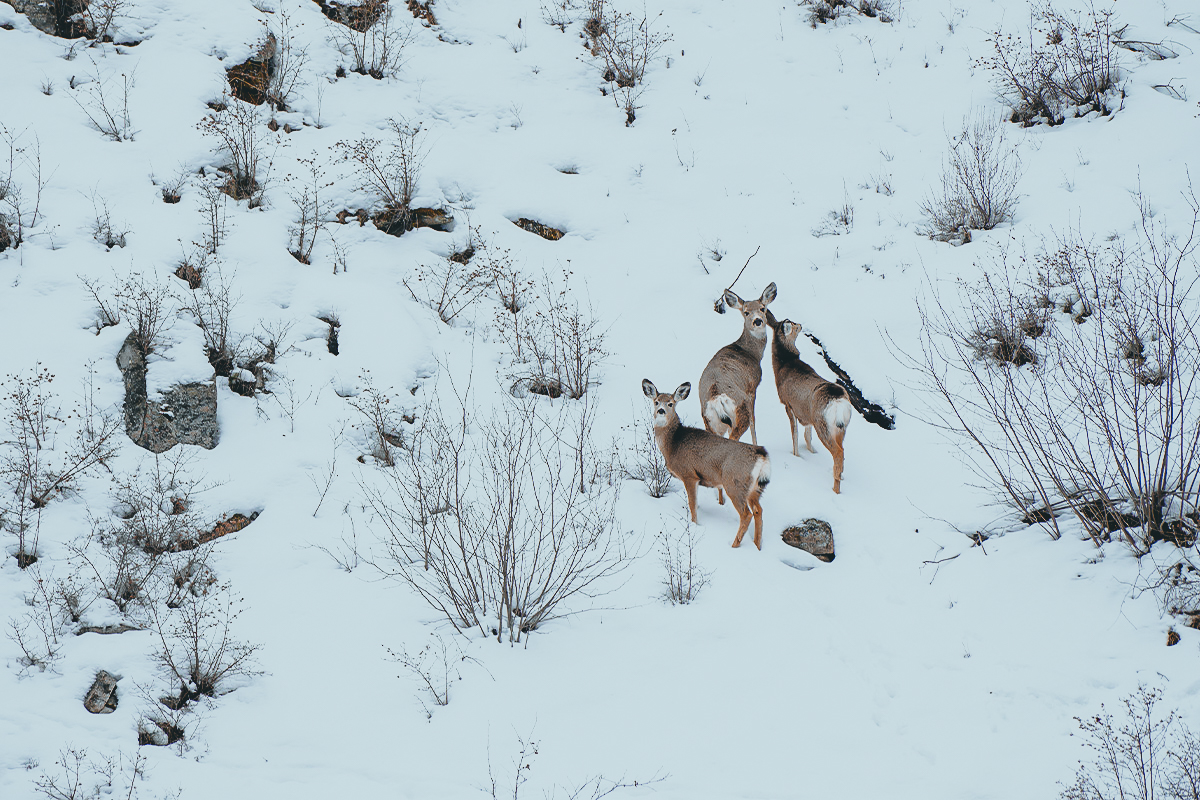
758	323
662	411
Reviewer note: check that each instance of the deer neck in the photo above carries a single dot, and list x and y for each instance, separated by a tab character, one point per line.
751	344
665	430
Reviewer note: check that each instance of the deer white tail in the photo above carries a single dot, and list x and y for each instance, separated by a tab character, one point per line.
838	414
720	411
760	476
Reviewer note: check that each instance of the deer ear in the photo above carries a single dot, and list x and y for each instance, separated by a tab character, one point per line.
785	328
648	389
768	294
683	391
732	300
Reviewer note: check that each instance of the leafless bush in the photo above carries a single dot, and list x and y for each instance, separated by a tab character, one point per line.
19	212
213	211
625	45
146	550
594	788
311	209
376	46
389	171
197	647
435	666
101	16
1102	423
448	287
493	530
560	13
103	230
643	461
146	304
46	451
1064	63
1142	755
684	578
382	421
979	181
238	130
837	222
37	633
291	60
561	345
107	109
211	304
822	12
172	189
108	310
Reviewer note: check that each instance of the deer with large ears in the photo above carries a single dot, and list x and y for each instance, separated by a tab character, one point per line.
729	383
809	399
700	458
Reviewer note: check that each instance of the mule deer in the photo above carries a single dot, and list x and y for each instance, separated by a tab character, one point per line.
730	381
698	457
809	399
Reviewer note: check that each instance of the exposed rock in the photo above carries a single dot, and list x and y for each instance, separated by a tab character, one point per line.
812	536
1172	637
231	524
186	415
55	17
107	630
544	231
102	697
399	221
250	80
359	17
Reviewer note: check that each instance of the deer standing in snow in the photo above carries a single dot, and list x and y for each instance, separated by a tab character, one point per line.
698	457
730	381
809	399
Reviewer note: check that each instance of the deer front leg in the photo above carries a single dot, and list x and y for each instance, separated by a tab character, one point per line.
808	438
690	487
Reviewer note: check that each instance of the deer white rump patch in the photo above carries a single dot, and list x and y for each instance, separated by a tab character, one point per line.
761	474
838	414
720	411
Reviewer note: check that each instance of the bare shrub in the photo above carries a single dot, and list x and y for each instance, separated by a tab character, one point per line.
238	130
643	461
1141	755
291	61
493	530
837	222
375	45
46	451
146	305
216	221
1102	425
197	647
625	45
108	310
211	304
1064	63
101	17
382	421
822	12
448	287
103	229
389	171
37	633
683	578
107	109
435	665
312	211
979	181
561	345
19	207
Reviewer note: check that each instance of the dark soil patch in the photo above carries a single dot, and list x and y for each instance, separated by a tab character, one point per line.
249	81
331	340
231	524
357	17
422	11
399	221
547	387
544	231
191	275
463	256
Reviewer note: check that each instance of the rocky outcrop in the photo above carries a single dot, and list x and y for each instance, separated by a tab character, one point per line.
812	536
186	415
55	17
102	697
250	81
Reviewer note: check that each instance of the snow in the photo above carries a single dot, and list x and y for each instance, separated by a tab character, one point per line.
913	665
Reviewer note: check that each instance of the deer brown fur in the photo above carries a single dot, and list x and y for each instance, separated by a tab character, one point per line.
729	383
700	458
809	399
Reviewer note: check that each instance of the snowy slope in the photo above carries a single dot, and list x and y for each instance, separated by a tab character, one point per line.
879	674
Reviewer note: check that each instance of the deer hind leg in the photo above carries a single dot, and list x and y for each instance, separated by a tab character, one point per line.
808	429
833	443
743	420
690	487
744	517
756	510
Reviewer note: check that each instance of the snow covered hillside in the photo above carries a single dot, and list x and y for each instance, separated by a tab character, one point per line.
571	178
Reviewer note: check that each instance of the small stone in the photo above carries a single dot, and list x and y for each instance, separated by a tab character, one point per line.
102	697
1172	637
812	536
